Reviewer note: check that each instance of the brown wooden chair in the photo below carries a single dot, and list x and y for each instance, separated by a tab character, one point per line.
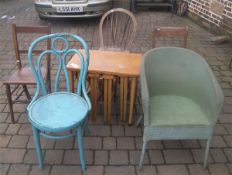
23	76
117	30
179	32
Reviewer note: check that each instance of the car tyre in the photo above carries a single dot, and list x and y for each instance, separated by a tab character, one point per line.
41	17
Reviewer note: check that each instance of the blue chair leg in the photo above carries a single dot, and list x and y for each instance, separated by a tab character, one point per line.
142	154
81	150
207	152
38	147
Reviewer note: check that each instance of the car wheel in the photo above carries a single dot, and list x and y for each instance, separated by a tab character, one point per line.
41	17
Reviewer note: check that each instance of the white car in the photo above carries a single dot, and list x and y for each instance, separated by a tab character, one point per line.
71	8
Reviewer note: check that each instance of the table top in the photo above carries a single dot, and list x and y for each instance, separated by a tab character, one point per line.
110	63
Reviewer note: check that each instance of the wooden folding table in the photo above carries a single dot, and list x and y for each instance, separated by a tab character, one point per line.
110	64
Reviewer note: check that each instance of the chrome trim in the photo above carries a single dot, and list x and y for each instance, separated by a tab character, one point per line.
91	9
71	16
69	1
42	5
100	4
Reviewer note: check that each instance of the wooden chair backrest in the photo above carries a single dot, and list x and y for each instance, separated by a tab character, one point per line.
28	30
117	30
180	32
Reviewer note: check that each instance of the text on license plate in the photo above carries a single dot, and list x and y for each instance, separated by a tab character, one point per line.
68	9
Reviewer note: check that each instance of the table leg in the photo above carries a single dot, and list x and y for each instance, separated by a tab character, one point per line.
71	80
132	6
94	95
125	89
123	98
107	97
105	100
109	100
132	99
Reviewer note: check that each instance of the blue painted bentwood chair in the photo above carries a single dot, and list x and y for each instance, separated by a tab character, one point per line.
181	97
53	113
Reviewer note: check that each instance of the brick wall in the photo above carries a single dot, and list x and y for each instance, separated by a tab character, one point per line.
214	14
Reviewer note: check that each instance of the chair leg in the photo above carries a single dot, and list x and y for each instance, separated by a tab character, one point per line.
49	78
207	152
139	121
172	7
38	147
230	63
86	127
142	154
81	149
10	103
26	92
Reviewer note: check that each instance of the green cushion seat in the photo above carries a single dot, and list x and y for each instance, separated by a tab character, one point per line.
172	110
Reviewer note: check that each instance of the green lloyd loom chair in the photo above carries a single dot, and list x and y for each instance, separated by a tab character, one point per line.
54	113
181	97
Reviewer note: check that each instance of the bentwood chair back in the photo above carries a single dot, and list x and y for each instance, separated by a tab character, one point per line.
60	110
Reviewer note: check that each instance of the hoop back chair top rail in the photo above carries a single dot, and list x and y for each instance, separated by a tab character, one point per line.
117	30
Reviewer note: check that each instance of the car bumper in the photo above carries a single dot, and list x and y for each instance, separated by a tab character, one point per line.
89	10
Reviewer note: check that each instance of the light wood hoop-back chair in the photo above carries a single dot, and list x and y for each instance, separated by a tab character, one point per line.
179	32
117	32
23	75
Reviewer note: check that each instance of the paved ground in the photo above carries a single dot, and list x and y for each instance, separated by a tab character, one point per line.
113	149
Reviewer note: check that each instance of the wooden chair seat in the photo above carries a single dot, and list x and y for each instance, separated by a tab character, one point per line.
24	76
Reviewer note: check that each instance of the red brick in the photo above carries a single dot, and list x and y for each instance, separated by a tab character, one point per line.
71	157
118	158
4	140
53	157
198	169
172	170
19	169
119	170
18	141
11	155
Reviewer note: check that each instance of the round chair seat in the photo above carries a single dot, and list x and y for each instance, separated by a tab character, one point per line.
58	111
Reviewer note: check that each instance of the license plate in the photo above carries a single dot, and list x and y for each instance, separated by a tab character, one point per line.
68	9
